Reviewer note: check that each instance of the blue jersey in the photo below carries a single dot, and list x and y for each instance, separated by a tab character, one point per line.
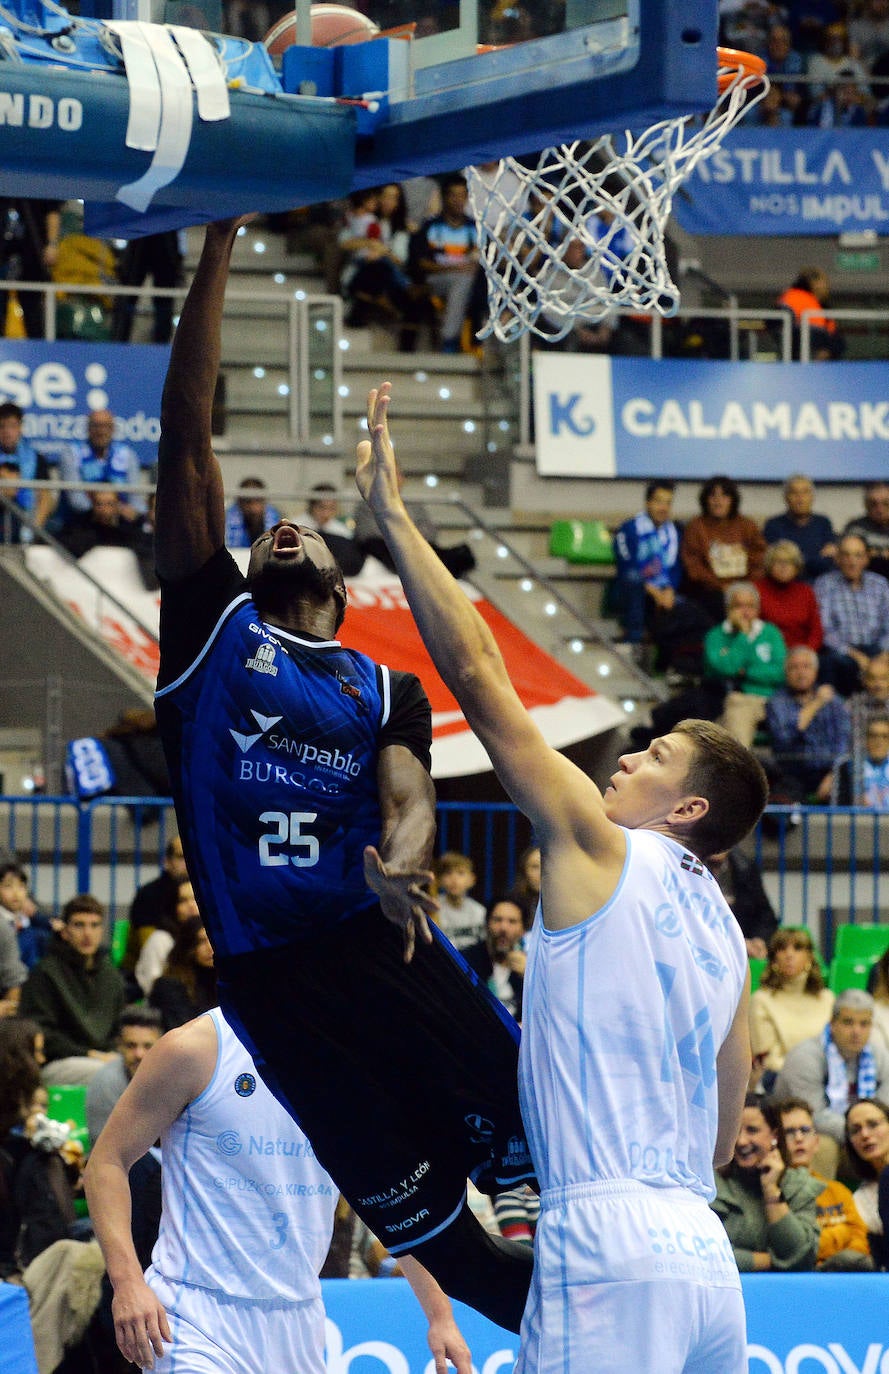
272	742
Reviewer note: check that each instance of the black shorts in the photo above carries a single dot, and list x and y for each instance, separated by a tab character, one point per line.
403	1076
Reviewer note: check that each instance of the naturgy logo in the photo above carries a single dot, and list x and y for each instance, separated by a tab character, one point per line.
809	1359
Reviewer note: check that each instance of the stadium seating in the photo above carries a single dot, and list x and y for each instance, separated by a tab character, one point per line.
863	941
850	972
581	541
120	934
757	969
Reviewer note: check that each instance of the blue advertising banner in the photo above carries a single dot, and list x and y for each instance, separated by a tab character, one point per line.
58	384
796	1324
790	181
643	417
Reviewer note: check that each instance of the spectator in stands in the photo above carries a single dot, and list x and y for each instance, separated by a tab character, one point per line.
158	256
375	240
156	950
38	1205
813	534
854	607
498	959
869	32
139	1028
12	528
458	559
745	24
460	916
845	105
32	929
871	701
30	465
810	729
76	995
719	546
865	781
878	987
786	601
13	971
249	516
867	1147
767	1209
444	255
834	63
808	19
843	1245
107	523
525	889
156	898
187	985
808	295
873	526
791	1003
323	515
29	243
831	1069
646	556
740	882
747	655
101	458
783	62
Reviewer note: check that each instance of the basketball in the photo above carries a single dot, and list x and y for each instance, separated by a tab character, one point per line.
331	25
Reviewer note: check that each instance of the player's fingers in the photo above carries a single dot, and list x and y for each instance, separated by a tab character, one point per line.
409	941
441	1360
422	925
164	1325
373	864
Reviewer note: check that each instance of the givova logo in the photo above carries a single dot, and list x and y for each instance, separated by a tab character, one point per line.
832	1358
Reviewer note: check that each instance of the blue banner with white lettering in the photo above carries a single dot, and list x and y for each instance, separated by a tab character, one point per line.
790	181
643	417
796	1324
57	384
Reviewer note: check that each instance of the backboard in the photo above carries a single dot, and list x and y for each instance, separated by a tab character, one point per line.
174	138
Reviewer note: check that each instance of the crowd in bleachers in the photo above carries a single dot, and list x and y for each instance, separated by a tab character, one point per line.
829	61
779	632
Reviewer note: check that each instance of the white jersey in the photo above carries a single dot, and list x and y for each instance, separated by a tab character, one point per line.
623	1017
247	1209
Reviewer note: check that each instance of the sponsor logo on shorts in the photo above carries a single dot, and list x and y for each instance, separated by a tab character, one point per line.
245	1084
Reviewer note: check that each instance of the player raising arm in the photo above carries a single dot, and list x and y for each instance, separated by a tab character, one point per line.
635	1054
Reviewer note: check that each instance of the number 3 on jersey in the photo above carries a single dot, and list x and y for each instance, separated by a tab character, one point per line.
288	832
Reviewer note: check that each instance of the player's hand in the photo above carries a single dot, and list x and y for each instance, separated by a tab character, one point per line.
446	1343
403	898
376	471
140	1323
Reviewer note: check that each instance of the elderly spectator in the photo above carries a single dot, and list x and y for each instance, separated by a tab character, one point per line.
832	1069
843	1245
767	1209
786	601
854	607
791	1003
807	296
747	655
101	458
250	516
810	730
720	546
873	526
812	533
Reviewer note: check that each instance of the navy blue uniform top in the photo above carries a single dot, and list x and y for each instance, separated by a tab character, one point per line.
272	741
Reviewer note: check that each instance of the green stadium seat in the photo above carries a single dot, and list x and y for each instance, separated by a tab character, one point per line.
120	934
67	1102
866	941
581	541
850	972
757	969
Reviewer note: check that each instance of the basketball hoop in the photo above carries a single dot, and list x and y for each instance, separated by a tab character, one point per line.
582	232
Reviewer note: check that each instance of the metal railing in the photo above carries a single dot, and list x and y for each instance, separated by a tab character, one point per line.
820	865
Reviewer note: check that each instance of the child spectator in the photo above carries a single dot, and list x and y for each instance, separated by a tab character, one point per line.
460	916
32	929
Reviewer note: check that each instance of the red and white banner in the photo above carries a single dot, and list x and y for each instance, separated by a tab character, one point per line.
378	623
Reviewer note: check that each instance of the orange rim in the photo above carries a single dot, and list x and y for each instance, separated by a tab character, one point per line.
733	63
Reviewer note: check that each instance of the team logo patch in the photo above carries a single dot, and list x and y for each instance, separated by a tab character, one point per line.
228	1143
349	689
692	865
480	1126
263	661
245	1084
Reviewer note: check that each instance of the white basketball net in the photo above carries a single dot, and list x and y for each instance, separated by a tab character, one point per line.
582	232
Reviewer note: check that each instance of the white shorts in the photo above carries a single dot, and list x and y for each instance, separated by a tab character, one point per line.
215	1334
629	1277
